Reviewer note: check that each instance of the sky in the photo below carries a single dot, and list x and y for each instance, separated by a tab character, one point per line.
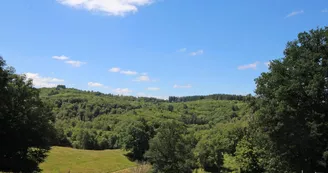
152	48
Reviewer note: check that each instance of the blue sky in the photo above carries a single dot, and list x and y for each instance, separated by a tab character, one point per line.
152	47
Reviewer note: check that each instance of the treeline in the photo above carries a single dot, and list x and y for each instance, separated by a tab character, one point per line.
213	97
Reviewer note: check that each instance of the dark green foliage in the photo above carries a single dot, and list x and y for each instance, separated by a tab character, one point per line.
212	97
170	108
292	103
170	151
59	87
84	139
26	126
135	138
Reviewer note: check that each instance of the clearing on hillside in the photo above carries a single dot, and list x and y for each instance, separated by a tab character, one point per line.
64	160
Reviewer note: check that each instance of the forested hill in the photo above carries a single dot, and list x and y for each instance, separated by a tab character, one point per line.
87	105
104	117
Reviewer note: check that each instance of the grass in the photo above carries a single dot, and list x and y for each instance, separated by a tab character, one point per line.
64	160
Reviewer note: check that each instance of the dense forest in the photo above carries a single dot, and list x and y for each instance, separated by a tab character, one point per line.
282	128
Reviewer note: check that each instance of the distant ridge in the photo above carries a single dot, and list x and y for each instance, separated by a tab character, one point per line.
202	97
55	90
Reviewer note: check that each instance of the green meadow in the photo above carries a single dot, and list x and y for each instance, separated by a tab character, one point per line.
63	160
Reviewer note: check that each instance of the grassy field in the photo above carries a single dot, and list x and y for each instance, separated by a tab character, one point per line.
71	160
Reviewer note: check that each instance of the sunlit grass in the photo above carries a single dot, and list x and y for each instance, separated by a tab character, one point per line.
71	160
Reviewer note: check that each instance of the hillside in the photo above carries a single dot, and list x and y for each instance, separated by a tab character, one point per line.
104	116
97	121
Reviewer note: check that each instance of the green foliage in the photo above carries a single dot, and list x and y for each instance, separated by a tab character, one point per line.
169	150
213	97
135	138
26	127
247	156
292	104
217	142
92	120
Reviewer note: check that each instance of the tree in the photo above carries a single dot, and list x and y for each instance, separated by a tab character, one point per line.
26	126
59	87
136	138
247	156
217	142
85	139
292	104
169	150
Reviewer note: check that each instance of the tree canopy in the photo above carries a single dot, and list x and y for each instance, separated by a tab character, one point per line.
26	123
292	102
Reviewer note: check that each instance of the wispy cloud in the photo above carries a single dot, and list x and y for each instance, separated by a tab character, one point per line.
39	81
294	13
153	89
68	61
182	50
182	86
267	64
143	78
75	63
198	52
141	94
95	84
62	57
109	7
122	91
115	69
325	10
249	66
128	72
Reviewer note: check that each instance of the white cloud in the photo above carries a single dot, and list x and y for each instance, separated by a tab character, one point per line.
153	88
140	94
249	66
182	86
39	81
198	52
62	57
294	13
143	78
95	84
182	50
325	10
75	63
122	91
109	7
128	72
71	62
115	69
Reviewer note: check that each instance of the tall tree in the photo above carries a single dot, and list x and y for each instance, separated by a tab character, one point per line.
135	138
25	123
293	102
169	150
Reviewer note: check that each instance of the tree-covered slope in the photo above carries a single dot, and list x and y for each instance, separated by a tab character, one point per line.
92	120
